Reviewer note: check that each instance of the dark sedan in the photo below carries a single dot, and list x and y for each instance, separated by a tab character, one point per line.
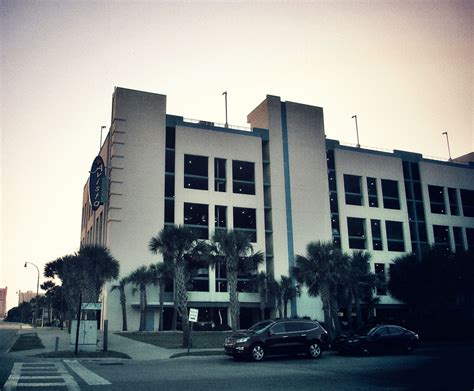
386	338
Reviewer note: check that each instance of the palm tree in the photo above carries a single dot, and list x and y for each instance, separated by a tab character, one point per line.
284	291
321	271
162	272
141	277
178	246
123	300
262	282
233	250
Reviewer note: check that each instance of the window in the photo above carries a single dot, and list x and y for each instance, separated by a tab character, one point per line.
353	189
169	161
219	175
169	211
199	277
220	217
376	235
453	201
221	278
467	200
196	217
330	159
391	199
243	177
170	137
470	238
333	202
395	240
380	274
436	194
458	239
335	225
356	231
441	237
245	221
372	192
279	328
332	180
169	185
195	172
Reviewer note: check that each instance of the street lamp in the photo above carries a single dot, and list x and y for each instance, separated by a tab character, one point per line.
357	130
37	291
447	140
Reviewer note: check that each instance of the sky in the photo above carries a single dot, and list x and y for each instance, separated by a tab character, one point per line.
404	68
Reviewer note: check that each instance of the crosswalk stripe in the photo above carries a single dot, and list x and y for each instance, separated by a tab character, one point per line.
88	376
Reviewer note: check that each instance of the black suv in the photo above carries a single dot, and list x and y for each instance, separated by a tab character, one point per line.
279	336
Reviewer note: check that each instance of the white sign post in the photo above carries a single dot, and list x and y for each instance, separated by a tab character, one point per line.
193	318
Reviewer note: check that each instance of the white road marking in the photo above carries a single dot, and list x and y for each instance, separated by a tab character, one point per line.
38	372
89	377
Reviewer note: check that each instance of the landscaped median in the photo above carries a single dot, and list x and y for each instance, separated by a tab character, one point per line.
212	341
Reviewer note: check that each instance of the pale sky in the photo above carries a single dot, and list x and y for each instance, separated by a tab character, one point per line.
405	68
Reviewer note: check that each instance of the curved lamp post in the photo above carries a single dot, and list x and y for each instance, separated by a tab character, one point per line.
37	291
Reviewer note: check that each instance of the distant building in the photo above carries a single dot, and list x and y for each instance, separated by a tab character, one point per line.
3	302
281	181
26	297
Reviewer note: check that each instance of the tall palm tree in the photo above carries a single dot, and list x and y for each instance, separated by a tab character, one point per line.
178	246
123	299
233	250
162	273
262	282
141	277
284	291
321	271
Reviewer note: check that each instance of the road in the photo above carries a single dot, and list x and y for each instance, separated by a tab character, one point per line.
7	338
446	367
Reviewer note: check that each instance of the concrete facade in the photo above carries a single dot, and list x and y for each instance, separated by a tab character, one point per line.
299	195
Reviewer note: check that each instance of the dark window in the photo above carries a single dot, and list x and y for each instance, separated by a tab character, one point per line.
292	327
330	159
436	194
395	330
417	193
220	218
458	239
195	172
453	201
169	211
470	238
395	240
169	161
390	194
356	231
467	200
170	137
406	170
199	277
278	328
243	177
422	237
196	217
333	202
376	235
441	237
380	273
335	225
415	172
169	185
381	331
408	190
353	189
332	180
219	175
372	192
221	278
245	221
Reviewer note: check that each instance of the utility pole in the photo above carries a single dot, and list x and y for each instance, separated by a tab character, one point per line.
357	131
101	129
449	150
37	292
226	123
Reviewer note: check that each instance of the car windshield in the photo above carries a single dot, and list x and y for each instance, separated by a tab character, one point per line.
260	326
372	330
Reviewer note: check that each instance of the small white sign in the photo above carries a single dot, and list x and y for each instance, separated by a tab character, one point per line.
193	314
91	306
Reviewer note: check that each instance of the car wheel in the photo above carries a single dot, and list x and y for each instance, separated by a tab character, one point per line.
257	353
314	349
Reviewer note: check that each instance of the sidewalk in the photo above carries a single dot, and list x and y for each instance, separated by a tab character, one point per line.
136	350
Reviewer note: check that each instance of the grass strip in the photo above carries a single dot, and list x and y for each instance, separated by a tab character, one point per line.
174	340
69	354
27	341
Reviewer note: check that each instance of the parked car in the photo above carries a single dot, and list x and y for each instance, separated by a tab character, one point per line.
277	337
379	339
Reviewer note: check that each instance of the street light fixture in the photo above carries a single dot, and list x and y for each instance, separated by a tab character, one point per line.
37	291
449	150
357	130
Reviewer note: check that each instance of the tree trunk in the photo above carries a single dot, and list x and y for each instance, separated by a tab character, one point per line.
360	321
262	303
325	297
123	303
285	307
162	292
142	308
233	299
349	310
335	317
182	299
175	305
